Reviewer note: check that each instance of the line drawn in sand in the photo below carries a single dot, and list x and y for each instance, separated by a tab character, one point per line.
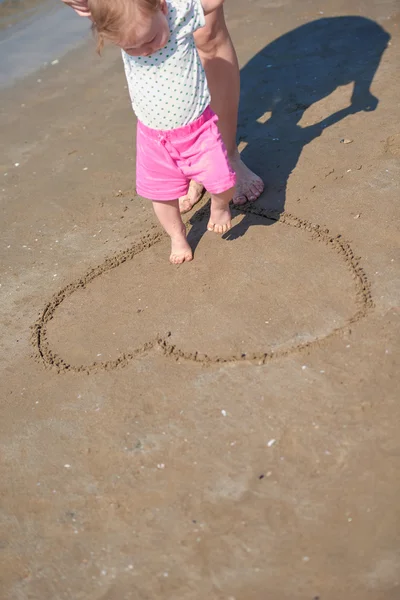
363	299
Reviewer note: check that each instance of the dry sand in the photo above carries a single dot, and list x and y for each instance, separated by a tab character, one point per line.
227	429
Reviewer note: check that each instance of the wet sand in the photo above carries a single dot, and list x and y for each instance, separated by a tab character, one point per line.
228	428
35	34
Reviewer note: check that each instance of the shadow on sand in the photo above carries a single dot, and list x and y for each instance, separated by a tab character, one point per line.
284	79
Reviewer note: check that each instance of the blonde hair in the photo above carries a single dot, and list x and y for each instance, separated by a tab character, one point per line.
111	16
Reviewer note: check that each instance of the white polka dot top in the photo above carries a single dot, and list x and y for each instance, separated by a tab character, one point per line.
168	89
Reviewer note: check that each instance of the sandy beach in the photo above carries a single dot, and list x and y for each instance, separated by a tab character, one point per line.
228	428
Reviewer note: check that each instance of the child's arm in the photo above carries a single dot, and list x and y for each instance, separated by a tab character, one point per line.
209	5
79	6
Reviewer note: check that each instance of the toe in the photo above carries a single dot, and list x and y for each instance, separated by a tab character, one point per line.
259	185
254	193
210	226
240	199
178	259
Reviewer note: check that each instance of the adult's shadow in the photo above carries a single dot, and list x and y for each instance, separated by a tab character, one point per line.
287	77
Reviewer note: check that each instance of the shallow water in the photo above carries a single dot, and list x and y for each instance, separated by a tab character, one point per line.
36	32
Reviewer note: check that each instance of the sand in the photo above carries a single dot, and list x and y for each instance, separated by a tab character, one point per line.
227	428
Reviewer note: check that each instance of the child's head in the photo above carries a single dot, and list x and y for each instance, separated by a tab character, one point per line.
139	27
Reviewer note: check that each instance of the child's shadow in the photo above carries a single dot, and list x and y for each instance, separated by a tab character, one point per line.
282	81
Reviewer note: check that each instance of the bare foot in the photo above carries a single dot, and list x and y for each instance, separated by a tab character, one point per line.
180	250
249	186
194	194
220	215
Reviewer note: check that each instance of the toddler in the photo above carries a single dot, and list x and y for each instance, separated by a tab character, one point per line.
177	134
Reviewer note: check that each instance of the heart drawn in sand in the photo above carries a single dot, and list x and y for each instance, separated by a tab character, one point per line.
192	337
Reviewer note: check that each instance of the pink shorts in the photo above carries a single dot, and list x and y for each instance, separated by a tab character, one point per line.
167	160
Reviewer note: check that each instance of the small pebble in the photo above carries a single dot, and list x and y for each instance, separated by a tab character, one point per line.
357	216
304	367
346	141
16	164
161	466
271	443
55	62
223	413
67	466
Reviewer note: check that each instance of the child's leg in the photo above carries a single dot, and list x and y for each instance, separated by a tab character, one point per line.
169	216
220	215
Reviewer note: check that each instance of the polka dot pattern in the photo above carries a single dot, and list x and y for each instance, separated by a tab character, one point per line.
168	89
